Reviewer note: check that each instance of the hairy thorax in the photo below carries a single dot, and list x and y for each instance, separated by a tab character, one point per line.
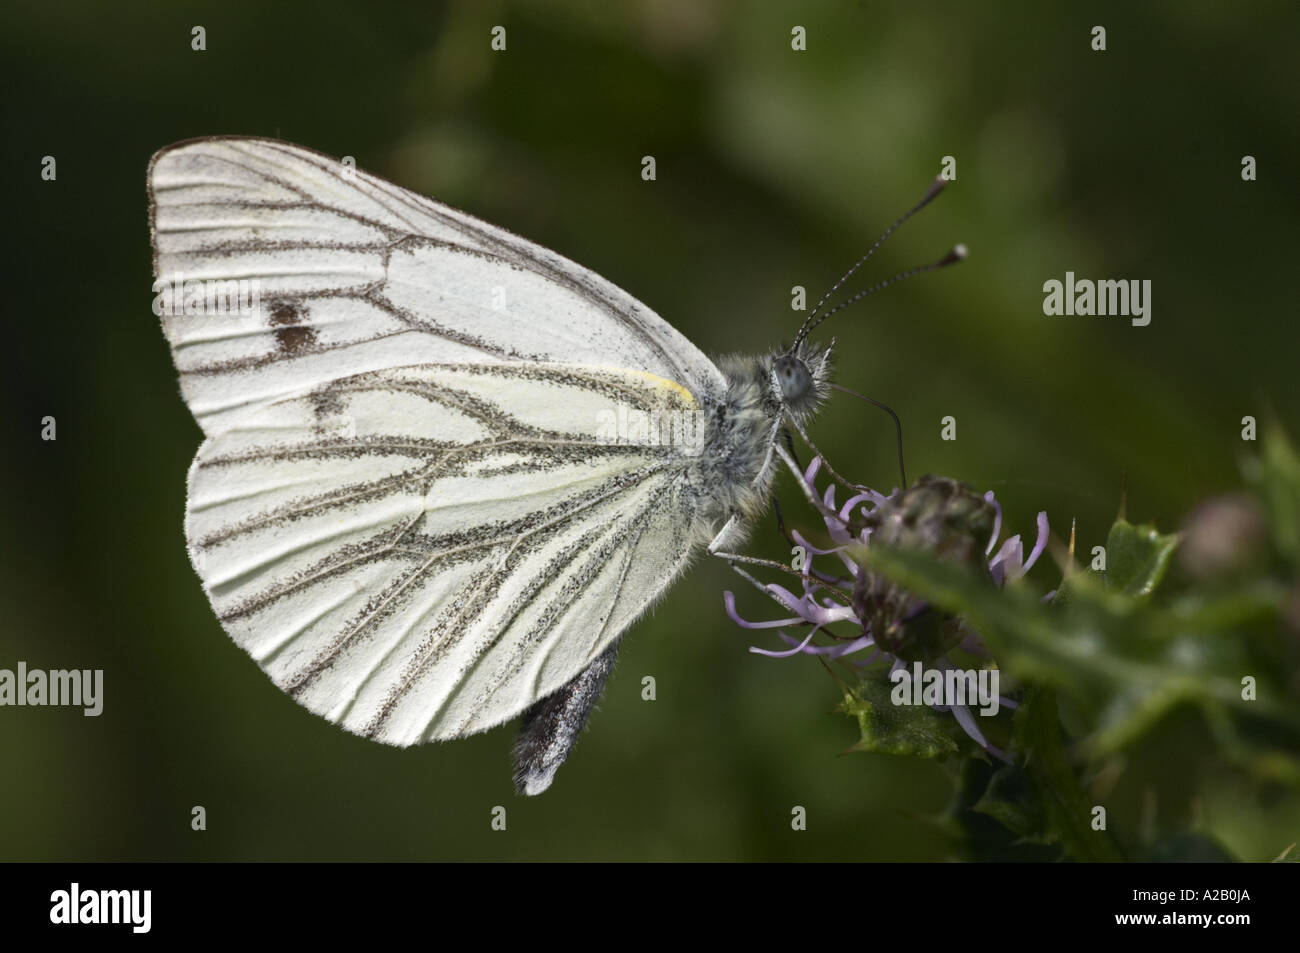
734	473
736	467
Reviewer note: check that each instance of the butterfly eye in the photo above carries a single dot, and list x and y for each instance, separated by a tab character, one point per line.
793	377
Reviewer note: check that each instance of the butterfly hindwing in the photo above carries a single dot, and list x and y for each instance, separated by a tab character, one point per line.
411	554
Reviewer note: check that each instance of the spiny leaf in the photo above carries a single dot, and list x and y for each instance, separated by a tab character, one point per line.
1137	557
886	728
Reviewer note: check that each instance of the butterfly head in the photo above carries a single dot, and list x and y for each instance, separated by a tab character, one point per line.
800	378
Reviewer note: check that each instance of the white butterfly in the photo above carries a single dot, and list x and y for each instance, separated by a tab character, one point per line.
434	490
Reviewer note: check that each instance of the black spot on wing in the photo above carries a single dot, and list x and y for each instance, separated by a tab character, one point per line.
291	334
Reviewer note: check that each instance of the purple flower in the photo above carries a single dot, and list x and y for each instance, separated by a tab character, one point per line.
864	619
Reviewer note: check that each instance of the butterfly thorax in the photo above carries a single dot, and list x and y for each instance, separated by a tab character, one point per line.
763	394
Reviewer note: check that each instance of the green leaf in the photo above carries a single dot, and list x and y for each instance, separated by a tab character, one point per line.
1137	557
886	728
1011	801
1065	805
1041	799
995	817
1240	744
1134	710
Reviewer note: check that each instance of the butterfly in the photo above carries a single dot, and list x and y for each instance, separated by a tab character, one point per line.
444	469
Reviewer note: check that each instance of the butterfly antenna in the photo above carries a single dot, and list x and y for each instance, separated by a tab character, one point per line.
812	320
898	428
957	254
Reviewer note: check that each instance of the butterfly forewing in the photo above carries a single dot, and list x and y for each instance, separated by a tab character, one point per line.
354	273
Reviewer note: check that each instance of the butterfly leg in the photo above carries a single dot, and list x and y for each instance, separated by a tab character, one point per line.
776	504
780	521
550	728
789	443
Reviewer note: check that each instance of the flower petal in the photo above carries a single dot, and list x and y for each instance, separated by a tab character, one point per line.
772	653
729	601
997	521
1012	555
1039	545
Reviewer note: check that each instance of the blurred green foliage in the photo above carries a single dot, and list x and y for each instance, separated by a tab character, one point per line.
775	169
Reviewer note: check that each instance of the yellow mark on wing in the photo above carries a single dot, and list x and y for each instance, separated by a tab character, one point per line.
664	383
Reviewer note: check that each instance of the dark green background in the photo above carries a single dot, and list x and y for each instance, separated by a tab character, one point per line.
775	168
